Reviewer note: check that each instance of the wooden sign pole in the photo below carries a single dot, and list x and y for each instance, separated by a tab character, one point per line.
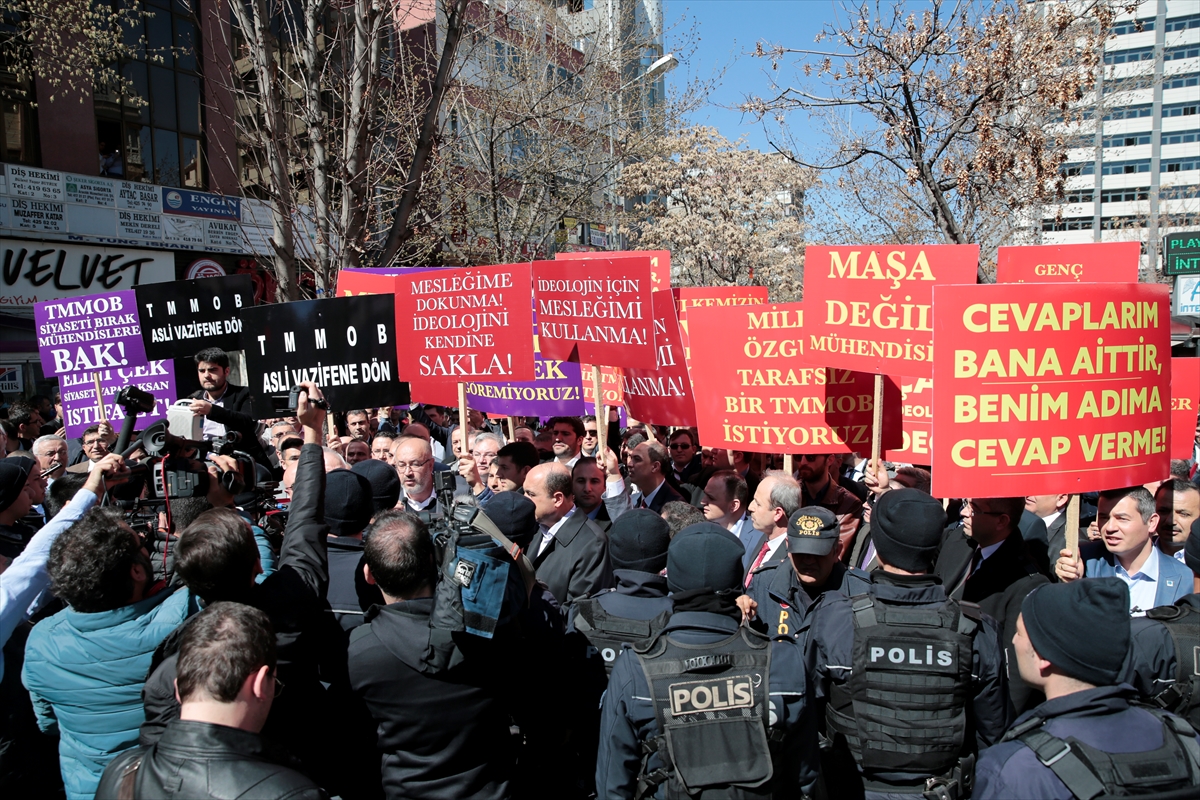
787	463
512	429
102	416
1072	528
464	421
877	422
601	421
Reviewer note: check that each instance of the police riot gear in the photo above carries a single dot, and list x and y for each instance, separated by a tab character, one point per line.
1182	622
1088	772
712	705
903	708
607	633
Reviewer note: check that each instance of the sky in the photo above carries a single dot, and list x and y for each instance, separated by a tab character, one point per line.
728	31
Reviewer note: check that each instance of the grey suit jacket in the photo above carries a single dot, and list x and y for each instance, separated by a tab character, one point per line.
574	564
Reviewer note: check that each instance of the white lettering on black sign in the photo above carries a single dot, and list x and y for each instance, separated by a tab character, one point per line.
181	318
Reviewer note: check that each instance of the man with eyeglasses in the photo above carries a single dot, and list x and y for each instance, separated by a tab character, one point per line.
381	447
685	456
413	460
591	437
474	466
986	562
568	433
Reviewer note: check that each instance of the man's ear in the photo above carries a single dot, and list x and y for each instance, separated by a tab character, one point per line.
175	683
367	574
259	683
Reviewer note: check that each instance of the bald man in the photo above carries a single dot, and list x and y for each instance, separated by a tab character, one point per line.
571	552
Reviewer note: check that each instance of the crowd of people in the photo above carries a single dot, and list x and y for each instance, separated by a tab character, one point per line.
393	602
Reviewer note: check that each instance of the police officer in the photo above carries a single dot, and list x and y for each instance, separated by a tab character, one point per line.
1086	740
1161	664
778	606
638	607
707	704
905	674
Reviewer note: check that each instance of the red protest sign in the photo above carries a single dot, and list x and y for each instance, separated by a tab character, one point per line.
1092	262
753	393
660	263
610	386
916	412
689	297
600	312
434	392
1064	393
1185	400
662	396
871	308
352	282
466	323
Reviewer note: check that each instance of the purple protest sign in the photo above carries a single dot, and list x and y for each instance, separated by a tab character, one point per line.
557	390
93	332
79	394
390	271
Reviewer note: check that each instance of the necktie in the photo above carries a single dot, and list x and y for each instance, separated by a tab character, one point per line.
641	503
757	562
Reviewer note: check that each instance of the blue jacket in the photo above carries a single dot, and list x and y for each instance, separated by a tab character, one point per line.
1174	578
1100	718
84	673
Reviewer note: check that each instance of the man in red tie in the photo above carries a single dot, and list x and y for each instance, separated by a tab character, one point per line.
775	500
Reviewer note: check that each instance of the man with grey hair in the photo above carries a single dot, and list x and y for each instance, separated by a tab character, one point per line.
473	466
775	500
51	451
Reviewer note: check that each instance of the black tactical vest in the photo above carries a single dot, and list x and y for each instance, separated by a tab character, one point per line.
1091	773
606	633
712	703
904	707
1182	698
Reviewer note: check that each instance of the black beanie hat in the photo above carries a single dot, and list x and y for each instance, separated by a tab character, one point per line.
514	514
14	472
638	540
348	506
906	529
1191	548
1081	627
704	556
385	483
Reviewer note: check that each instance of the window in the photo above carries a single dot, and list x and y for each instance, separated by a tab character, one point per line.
1184	51
1179	164
1188	191
1181	109
1133	26
1125	195
1125	167
1068	224
1127	140
1182	23
1129	56
1181	81
154	132
1079	168
1080	196
1180	138
1130	112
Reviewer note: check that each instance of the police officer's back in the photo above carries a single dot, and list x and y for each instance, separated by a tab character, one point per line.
1087	740
911	682
713	701
1162	662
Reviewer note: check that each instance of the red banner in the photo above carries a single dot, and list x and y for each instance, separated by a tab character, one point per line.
434	392
611	386
660	262
917	412
871	308
689	297
600	311
352	282
466	323
1185	400
1064	393
754	393
1092	262
662	396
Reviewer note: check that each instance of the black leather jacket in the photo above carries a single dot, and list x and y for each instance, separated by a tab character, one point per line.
197	759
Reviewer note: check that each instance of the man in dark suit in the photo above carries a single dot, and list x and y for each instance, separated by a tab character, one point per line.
685	457
648	464
588	487
1046	543
777	498
571	554
986	562
225	406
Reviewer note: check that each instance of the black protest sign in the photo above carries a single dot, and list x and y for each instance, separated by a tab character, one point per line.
181	318
345	345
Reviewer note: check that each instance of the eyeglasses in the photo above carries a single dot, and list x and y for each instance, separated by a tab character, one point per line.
680	446
402	466
808	458
278	685
589	433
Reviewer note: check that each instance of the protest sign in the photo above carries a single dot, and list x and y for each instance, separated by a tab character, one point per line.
84	334
660	262
600	312
871	308
346	345
1064	393
79	394
753	392
181	318
611	386
662	396
708	296
1185	403
433	392
916	411
353	282
1092	262
555	391
460	324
